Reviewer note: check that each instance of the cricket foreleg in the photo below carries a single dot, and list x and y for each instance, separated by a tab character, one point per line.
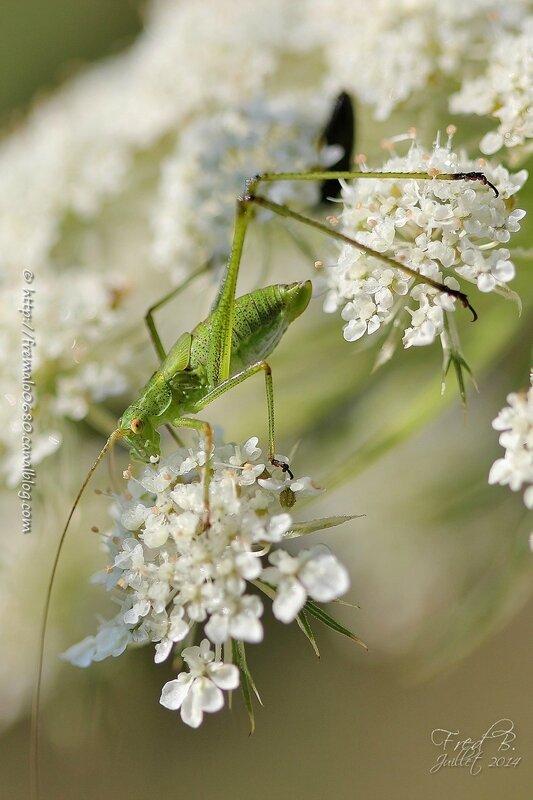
207	430
149	316
230	383
285	211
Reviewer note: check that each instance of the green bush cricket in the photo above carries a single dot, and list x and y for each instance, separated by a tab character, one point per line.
225	349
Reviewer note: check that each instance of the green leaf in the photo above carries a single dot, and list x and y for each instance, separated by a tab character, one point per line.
319	613
303	528
266	588
248	686
247	696
305	627
452	355
459	364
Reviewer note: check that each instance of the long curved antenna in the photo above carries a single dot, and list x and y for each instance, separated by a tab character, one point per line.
36	700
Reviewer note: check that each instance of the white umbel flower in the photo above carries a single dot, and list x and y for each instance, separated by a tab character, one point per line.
515	422
504	91
440	229
172	571
201	689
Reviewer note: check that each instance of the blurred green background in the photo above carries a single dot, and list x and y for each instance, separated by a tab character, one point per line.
440	564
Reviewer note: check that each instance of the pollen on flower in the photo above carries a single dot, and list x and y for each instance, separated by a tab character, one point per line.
172	574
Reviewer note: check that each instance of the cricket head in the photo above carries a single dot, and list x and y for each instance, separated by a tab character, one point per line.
297	297
139	434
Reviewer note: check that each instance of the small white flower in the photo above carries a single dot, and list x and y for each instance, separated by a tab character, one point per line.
515	422
111	640
315	573
82	653
237	618
201	689
177	631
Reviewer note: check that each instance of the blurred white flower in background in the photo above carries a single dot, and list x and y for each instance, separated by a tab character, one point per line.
201	179
515	421
403	46
504	91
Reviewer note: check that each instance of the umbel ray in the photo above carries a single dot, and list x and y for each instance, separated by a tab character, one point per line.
232	343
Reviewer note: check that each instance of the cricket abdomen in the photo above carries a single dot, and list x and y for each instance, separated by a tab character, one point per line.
260	319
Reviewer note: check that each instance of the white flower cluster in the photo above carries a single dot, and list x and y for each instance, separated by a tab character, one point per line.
440	229
172	573
504	91
515	422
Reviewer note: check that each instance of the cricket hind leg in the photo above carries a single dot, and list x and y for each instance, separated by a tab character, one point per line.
219	355
285	211
219	351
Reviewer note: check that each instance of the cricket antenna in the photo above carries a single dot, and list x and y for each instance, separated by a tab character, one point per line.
36	700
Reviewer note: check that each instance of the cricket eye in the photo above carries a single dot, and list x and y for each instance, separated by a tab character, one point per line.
136	425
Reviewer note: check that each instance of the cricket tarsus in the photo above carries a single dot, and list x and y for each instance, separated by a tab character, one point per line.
283	466
476	176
